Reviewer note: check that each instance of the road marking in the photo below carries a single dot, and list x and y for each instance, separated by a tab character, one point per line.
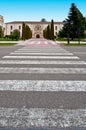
42	117
41	57
38	43
40	47
53	62
46	42
42	85
30	42
20	53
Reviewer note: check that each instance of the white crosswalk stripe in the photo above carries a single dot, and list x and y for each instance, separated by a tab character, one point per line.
40	85
41	57
43	117
53	62
22	53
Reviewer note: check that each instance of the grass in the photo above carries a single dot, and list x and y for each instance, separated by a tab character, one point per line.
7	44
75	44
65	39
6	39
61	39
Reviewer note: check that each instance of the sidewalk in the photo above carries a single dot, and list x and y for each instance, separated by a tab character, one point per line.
11	41
62	42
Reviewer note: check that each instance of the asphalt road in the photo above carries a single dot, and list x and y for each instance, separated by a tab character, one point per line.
42	86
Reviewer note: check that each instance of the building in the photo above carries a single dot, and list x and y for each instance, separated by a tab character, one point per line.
36	27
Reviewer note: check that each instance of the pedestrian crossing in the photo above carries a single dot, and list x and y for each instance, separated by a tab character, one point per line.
25	116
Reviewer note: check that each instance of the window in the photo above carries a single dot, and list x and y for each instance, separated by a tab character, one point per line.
19	27
55	27
11	27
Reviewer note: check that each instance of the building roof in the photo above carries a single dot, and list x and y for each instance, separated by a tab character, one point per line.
32	22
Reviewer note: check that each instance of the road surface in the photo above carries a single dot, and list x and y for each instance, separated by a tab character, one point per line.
42	86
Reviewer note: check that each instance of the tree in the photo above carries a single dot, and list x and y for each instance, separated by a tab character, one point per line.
28	33
44	33
1	32
16	34
52	30
49	31
74	25
78	23
43	20
23	31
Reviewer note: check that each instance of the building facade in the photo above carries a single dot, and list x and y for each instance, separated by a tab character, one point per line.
36	27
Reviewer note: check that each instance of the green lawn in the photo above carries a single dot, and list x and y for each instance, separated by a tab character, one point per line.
7	44
75	44
75	39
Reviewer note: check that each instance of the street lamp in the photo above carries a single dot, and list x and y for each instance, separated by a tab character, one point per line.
79	34
68	24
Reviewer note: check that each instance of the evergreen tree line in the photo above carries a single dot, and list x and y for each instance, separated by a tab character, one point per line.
74	25
1	32
48	33
26	32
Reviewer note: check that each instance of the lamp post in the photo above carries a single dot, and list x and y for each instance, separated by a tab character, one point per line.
68	38
79	35
68	31
68	25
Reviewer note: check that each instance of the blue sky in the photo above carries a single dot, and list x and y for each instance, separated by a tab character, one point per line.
35	10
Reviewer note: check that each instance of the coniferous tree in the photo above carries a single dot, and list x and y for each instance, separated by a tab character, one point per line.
74	25
52	30
48	32
30	33
23	31
77	22
44	33
27	31
1	32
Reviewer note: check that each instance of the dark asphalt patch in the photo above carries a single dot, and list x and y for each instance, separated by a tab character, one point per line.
43	129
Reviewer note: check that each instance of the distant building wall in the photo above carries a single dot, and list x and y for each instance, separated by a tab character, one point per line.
36	27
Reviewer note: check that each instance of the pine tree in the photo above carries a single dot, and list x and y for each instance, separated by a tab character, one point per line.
27	30
74	25
52	30
23	31
1	32
48	32
76	20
